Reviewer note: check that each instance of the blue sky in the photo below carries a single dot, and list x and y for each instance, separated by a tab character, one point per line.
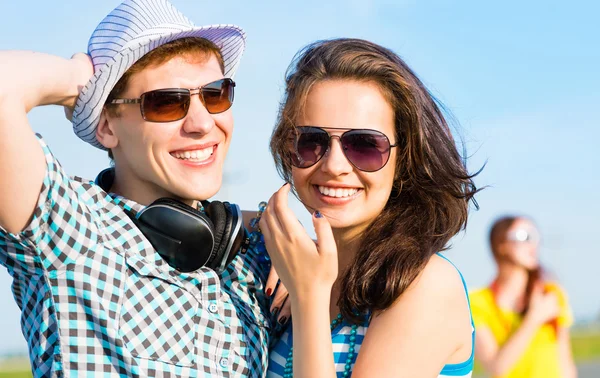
520	78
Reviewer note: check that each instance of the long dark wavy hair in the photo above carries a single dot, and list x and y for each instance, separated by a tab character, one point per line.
432	188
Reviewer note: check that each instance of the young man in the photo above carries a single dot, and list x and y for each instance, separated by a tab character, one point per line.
97	297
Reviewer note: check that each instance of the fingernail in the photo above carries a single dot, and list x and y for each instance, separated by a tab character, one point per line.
275	310
318	214
269	292
282	320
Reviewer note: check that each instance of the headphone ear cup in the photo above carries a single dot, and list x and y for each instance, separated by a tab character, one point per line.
221	219
181	206
181	235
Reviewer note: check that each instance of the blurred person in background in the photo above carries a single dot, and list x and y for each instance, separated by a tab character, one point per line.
522	318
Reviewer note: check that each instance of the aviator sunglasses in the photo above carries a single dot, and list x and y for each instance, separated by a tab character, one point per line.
367	150
172	104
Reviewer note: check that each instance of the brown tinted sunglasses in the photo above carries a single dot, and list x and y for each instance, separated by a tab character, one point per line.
172	104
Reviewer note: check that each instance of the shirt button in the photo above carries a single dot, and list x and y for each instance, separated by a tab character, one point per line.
224	362
213	308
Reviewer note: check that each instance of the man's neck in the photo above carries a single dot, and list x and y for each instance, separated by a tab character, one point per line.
142	192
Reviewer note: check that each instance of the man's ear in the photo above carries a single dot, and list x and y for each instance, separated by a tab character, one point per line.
105	132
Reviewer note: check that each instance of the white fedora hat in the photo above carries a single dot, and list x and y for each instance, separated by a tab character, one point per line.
129	32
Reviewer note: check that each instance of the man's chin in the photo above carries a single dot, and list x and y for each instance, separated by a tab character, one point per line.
196	187
201	192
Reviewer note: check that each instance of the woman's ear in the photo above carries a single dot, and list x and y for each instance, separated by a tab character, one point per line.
105	132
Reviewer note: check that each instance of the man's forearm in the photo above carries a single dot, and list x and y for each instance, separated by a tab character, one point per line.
35	79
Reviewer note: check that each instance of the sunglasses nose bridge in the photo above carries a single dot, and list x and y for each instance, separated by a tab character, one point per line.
330	144
336	162
197	91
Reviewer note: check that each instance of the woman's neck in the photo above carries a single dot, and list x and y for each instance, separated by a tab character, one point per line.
347	243
510	285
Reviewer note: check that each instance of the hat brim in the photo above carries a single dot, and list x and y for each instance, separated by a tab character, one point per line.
229	38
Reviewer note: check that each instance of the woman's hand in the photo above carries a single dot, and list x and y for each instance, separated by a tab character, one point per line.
543	307
305	268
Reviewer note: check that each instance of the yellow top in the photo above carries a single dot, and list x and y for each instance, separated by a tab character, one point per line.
541	357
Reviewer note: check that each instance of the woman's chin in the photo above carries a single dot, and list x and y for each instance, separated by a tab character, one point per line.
530	265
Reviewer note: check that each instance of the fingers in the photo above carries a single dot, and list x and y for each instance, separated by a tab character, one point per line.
83	68
552	298
279	223
271	281
68	113
278	300
280	208
265	229
269	224
82	57
325	240
285	312
537	292
281	307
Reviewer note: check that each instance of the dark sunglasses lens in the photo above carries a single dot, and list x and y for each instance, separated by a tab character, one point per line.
311	145
368	150
165	105
218	96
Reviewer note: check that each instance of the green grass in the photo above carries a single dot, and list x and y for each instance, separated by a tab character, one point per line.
585	345
16	374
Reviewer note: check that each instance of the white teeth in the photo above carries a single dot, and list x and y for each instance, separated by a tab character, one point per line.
196	155
337	193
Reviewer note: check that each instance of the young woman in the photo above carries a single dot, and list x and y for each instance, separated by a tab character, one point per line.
522	318
367	150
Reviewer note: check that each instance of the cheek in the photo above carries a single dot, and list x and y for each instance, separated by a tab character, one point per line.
378	195
529	251
382	181
523	254
130	124
129	134
381	198
149	138
224	122
298	177
300	180
130	116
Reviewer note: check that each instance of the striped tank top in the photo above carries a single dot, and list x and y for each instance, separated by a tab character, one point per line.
340	336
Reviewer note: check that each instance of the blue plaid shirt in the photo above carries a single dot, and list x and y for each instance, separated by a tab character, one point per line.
98	300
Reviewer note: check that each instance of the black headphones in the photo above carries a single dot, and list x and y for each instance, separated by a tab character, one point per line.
188	239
